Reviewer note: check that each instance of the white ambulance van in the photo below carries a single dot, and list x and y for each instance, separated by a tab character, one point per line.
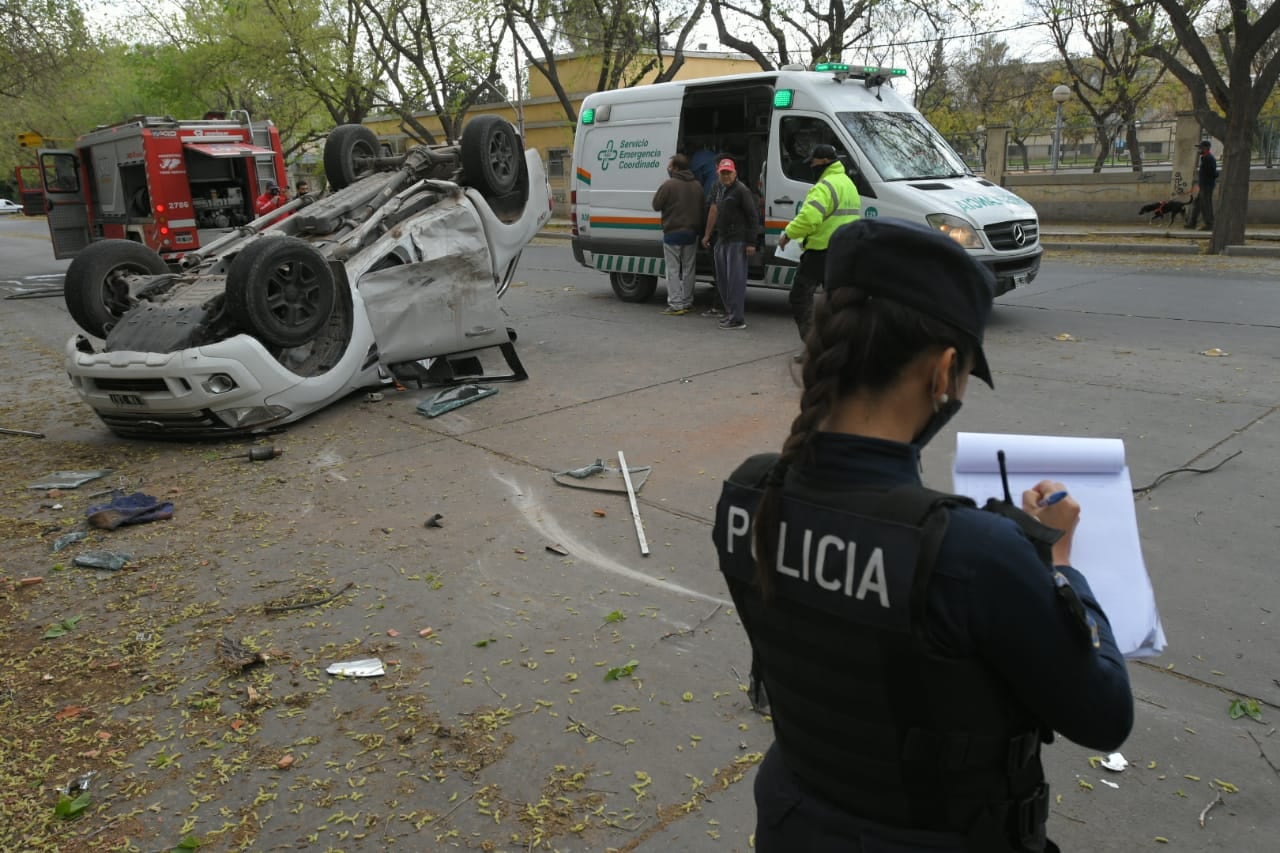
768	122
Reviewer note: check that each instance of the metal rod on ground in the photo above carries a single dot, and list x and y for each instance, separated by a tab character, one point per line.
26	432
635	510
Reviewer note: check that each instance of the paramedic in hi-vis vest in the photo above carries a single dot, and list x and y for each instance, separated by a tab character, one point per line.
833	201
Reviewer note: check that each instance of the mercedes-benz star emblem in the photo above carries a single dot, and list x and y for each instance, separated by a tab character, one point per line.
1019	236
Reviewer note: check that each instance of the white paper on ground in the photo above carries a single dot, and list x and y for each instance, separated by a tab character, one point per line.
1106	548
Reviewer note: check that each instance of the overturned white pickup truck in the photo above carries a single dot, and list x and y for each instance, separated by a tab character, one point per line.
403	261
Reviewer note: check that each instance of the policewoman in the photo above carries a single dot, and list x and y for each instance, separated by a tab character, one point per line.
832	202
916	650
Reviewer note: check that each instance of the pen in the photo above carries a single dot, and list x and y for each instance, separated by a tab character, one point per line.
1052	499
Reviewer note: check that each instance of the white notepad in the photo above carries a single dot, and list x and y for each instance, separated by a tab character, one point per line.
1106	548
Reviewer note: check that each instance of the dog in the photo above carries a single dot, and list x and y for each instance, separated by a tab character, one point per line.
1158	210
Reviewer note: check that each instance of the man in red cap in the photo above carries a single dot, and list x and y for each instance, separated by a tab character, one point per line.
736	226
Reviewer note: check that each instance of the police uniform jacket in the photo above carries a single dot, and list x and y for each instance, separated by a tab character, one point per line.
831	202
912	690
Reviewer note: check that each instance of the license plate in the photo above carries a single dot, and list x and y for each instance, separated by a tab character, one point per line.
126	399
1020	280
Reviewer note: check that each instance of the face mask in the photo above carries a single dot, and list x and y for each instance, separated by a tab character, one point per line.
939	419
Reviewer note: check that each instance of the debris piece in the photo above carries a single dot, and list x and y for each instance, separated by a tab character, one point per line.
136	508
236	656
453	398
68	539
373	397
68	479
253	697
31	581
26	432
364	668
1109	784
600	477
110	561
257	454
78	784
1115	762
558	549
433	521
1065	337
1215	353
47	505
285	762
635	509
426	632
1216	801
393	633
280	608
599	513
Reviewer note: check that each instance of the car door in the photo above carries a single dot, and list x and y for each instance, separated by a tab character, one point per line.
66	202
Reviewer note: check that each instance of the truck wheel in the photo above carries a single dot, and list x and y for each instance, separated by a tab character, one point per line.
95	290
280	290
491	156
349	152
631	287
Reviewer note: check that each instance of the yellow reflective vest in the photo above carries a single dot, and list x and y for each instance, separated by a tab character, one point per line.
833	201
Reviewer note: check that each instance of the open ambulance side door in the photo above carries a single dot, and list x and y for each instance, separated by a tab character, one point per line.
66	202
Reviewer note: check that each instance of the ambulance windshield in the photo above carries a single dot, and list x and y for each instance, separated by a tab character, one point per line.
902	147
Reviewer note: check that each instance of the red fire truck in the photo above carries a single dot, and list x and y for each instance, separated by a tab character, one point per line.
170	185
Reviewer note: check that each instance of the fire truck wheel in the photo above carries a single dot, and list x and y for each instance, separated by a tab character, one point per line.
349	152
95	288
280	290
491	156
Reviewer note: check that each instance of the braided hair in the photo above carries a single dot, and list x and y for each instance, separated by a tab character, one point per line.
858	343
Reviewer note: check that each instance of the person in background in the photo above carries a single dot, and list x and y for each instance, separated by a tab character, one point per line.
302	188
1207	179
734	222
272	198
833	201
680	201
916	651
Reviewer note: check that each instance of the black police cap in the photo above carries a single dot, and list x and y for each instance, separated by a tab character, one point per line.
823	152
919	267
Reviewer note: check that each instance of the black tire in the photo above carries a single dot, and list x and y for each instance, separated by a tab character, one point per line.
96	296
349	152
281	291
491	155
633	287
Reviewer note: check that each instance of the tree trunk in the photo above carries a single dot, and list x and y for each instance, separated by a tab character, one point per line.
1104	147
1135	148
1233	195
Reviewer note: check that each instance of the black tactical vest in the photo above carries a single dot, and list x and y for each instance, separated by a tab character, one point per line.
867	714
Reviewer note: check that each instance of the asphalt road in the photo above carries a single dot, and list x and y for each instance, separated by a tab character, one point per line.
670	765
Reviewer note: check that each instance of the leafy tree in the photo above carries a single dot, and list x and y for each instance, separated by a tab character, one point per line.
39	38
1113	81
441	56
1227	57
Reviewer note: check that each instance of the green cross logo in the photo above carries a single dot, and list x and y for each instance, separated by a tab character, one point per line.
607	156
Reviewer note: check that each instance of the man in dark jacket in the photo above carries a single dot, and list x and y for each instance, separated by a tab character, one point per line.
736	225
680	200
1207	179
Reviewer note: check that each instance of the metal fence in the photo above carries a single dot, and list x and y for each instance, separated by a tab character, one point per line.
1032	150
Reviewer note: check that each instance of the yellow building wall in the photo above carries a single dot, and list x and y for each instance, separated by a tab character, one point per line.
546	128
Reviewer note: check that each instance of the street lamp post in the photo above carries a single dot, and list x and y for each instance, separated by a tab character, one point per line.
1061	94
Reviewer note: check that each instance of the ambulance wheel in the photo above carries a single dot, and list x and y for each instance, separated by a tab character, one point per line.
632	287
491	157
281	291
95	289
349	154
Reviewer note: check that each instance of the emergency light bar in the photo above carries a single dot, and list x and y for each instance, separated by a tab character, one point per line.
874	75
